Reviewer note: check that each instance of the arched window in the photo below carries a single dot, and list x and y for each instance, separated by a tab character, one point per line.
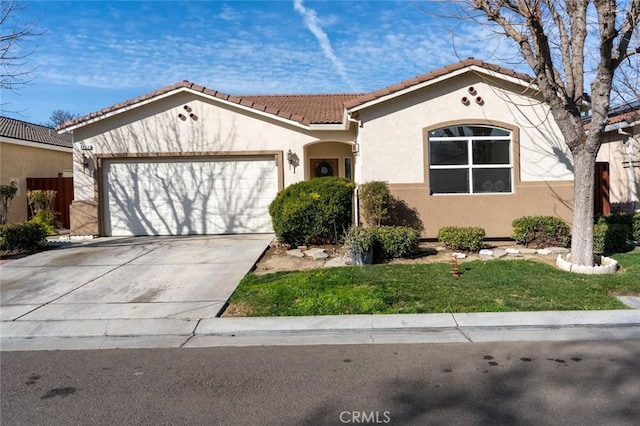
470	159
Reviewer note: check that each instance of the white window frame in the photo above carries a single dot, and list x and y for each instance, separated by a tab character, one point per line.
470	166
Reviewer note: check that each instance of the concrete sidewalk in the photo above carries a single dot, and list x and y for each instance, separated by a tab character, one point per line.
320	330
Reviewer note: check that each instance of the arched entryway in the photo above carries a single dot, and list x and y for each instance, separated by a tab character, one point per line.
328	159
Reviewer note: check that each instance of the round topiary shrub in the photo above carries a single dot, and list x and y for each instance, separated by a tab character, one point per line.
467	238
317	211
394	241
541	231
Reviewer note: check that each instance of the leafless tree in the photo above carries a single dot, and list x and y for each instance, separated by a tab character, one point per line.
58	117
566	43
15	33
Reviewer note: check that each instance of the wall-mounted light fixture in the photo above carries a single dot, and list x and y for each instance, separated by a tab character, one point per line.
85	161
290	158
355	148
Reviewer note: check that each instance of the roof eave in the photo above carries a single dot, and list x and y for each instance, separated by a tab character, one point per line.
173	92
475	68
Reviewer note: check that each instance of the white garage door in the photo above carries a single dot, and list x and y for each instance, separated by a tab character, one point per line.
188	196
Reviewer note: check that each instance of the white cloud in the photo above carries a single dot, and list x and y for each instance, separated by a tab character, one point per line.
313	24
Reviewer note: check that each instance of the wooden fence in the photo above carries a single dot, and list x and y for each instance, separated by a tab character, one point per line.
64	195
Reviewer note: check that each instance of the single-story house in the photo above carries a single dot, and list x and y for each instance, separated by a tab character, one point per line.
29	150
618	162
470	144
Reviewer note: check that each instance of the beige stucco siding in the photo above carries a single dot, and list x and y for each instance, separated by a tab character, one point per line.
215	128
205	128
618	150
392	134
20	161
394	148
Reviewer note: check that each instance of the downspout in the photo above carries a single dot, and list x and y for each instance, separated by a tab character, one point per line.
356	204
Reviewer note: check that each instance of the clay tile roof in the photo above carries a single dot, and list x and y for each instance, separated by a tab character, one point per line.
306	108
17	129
435	74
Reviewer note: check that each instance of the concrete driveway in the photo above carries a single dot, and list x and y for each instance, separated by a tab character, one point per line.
186	278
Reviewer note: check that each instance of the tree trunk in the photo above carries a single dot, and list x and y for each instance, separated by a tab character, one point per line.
584	183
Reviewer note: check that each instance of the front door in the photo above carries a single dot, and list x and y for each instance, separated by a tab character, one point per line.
601	196
324	167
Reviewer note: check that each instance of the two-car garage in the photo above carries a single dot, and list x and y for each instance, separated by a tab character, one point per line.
187	195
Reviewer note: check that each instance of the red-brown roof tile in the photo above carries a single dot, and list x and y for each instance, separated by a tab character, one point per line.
306	108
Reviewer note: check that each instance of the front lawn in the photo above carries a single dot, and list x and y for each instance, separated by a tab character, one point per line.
492	286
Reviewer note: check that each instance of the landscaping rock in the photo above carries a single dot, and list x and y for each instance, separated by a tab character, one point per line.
335	262
543	251
303	248
459	255
512	250
527	251
295	253
316	254
485	252
498	253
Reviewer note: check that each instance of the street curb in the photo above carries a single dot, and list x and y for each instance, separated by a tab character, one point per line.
148	327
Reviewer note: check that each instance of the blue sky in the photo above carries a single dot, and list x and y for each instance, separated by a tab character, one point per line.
98	53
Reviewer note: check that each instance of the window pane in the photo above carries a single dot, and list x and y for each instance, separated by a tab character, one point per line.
492	180
449	181
347	168
448	153
490	152
457	131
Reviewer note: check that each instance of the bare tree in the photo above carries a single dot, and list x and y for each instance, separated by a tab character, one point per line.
554	38
15	33
58	117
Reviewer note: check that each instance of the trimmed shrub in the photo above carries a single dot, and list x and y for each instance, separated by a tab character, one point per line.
635	227
541	231
23	237
394	241
462	238
619	218
359	244
317	211
374	199
610	237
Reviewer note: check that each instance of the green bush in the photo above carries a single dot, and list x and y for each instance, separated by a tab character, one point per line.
374	199
610	237
23	237
635	228
620	218
394	241
317	211
462	238
359	244
541	231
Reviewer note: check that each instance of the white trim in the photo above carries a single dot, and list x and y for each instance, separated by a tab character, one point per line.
194	92
436	80
31	144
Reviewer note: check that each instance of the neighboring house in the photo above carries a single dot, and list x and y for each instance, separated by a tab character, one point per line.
471	144
29	150
618	162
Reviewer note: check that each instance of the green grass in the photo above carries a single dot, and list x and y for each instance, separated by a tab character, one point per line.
494	286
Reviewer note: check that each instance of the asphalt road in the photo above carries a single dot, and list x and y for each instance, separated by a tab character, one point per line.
590	383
